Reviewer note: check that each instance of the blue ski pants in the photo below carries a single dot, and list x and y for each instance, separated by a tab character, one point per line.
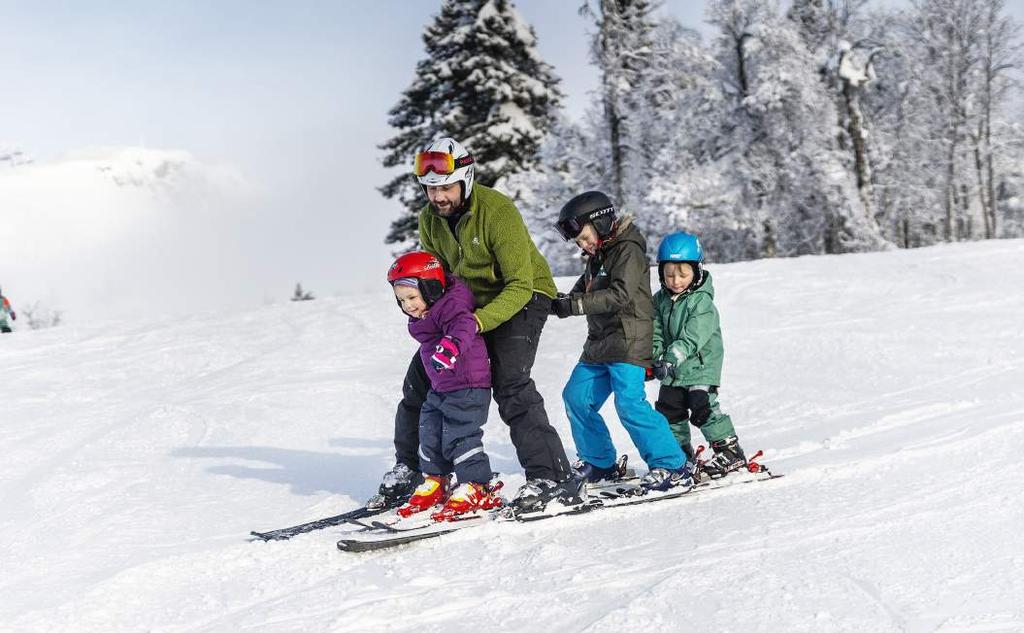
589	387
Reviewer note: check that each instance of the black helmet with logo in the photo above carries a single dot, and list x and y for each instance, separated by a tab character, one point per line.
592	207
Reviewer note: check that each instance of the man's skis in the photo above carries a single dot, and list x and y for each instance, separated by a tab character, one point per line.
385	512
284	534
377	535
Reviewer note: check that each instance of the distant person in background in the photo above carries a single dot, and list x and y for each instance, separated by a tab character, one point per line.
5	309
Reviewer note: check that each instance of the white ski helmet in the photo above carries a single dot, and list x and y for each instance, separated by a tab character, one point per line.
459	169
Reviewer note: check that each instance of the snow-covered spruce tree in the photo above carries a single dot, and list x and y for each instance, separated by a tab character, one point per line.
299	294
482	82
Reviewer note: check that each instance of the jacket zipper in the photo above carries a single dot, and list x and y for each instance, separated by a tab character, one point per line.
455	236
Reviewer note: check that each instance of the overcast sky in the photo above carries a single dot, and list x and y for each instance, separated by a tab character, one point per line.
293	95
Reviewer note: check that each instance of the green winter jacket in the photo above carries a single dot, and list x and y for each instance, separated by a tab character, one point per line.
5	309
494	255
615	294
687	334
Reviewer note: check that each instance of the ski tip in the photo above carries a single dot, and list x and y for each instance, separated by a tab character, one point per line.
265	537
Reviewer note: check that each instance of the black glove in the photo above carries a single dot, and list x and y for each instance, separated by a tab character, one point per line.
561	306
662	370
14	317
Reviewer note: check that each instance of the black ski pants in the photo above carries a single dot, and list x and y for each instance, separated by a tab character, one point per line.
512	347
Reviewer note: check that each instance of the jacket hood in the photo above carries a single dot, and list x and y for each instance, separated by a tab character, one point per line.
626	232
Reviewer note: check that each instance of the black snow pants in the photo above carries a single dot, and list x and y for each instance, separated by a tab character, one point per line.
512	347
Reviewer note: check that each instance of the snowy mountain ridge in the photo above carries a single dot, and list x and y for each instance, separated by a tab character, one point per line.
886	386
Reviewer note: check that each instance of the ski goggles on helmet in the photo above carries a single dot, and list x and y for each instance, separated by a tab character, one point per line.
570	228
441	163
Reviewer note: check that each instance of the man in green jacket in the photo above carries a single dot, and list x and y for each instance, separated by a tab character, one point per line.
481	237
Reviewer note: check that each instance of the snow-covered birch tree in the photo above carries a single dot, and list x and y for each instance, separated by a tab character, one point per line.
482	82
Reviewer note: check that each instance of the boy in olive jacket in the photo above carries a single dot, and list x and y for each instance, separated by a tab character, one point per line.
688	354
615	295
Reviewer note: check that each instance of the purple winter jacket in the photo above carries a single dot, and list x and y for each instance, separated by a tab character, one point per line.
452	315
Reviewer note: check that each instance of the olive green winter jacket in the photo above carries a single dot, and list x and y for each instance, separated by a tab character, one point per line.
615	294
687	334
494	255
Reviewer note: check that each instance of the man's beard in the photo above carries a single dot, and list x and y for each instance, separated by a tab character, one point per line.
452	210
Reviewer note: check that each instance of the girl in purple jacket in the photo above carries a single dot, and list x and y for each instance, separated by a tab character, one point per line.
440	309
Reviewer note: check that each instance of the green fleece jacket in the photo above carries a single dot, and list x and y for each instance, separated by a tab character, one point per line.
687	334
494	255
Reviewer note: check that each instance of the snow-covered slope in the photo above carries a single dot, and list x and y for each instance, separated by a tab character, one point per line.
138	455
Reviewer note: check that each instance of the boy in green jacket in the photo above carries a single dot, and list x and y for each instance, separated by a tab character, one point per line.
688	354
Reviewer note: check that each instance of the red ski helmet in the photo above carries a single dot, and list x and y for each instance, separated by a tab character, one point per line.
423	267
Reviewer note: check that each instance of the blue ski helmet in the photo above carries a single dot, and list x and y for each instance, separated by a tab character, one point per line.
682	247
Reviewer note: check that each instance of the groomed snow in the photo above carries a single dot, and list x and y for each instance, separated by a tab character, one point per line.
887	387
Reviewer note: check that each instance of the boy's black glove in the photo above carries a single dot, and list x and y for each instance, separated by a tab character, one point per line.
662	370
561	306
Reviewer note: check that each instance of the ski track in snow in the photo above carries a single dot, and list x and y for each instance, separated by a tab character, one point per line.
886	386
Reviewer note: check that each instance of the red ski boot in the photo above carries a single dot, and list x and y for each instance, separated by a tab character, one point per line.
469	497
427	495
